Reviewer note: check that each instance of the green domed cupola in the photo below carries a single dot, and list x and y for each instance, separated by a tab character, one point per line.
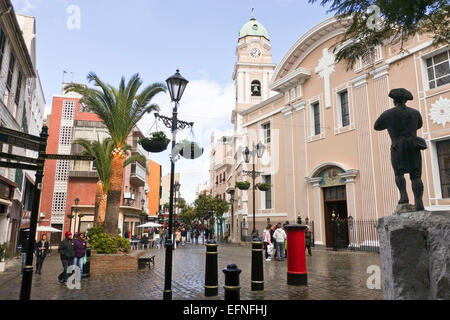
253	28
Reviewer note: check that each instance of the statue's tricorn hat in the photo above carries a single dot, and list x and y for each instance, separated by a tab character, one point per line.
401	93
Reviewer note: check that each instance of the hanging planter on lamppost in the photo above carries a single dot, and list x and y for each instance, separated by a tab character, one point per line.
244	185
265	186
189	149
156	143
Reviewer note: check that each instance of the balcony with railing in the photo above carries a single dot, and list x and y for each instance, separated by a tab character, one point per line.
138	174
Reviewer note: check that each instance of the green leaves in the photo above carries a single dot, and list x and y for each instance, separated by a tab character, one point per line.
120	109
105	244
400	21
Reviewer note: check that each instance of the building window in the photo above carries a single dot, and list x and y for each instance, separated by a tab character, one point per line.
19	88
368	58
443	155
266	130
438	69
65	136
12	62
268	194
256	88
345	115
315	109
2	46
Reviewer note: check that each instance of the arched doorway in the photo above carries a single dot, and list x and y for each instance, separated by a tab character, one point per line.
334	204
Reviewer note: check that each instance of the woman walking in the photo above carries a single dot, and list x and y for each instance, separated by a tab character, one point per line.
80	250
267	241
41	252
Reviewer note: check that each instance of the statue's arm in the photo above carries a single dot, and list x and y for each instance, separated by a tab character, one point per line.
380	124
420	122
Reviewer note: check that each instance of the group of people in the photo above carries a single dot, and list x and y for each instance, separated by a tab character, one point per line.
72	252
275	241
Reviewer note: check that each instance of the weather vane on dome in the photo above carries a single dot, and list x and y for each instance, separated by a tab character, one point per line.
253	14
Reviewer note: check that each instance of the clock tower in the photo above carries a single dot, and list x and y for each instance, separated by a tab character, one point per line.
254	68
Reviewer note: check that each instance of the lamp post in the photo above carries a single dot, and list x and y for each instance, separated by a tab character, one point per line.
77	201
232	200
142	214
176	85
257	150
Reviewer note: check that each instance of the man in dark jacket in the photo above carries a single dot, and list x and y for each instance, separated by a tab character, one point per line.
67	251
308	240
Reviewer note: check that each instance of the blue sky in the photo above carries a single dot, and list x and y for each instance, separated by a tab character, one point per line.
154	37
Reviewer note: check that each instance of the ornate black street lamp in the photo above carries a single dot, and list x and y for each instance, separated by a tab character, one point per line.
176	85
257	150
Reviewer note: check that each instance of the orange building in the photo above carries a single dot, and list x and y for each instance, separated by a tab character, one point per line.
154	187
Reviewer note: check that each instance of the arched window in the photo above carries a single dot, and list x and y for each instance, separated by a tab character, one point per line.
256	88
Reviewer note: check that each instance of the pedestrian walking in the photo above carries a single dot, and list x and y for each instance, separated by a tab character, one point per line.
178	237
67	251
41	252
183	236
267	242
206	233
144	241
196	235
280	237
80	251
308	240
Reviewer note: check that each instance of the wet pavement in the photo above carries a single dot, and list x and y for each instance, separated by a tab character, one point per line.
332	275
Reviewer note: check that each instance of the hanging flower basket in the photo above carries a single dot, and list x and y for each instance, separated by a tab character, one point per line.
190	150
156	143
264	186
230	190
245	185
70	216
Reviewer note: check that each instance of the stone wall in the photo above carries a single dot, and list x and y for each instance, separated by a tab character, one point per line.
415	255
114	263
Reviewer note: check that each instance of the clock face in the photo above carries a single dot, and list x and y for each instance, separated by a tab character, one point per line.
255	53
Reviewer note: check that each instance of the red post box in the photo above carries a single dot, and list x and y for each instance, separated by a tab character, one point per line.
296	274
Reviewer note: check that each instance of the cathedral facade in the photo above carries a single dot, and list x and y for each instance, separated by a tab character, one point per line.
316	117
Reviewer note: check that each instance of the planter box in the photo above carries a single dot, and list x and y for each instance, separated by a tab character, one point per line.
102	264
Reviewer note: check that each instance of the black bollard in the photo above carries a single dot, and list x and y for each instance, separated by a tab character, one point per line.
257	265
211	270
87	265
232	287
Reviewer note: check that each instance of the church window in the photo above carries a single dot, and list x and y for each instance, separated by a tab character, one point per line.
443	155
256	88
266	129
267	195
438	69
343	108
315	110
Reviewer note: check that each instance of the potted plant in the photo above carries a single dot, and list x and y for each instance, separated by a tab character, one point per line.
70	216
157	142
244	185
265	186
2	257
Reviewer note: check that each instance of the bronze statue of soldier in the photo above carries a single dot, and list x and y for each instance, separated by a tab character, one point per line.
402	123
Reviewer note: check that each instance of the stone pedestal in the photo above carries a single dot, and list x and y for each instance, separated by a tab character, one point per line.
415	257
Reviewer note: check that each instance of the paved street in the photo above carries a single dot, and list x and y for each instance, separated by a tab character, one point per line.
331	275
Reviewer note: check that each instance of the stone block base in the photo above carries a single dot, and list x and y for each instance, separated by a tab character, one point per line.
102	264
415	257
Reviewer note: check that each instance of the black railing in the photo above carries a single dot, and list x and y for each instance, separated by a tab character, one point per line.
363	235
351	234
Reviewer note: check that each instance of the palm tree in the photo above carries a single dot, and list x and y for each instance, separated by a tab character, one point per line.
102	163
120	109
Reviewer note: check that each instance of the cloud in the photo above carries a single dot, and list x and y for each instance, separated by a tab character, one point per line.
24	6
209	105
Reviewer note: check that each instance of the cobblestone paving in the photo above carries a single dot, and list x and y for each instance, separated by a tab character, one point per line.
331	275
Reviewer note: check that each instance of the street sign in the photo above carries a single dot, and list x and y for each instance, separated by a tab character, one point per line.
68	157
19	158
16	165
20	142
14	133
